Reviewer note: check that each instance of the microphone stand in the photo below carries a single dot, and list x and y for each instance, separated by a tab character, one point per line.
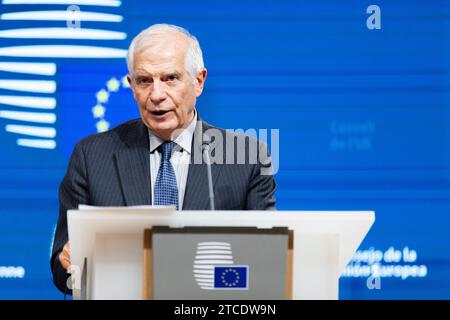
206	147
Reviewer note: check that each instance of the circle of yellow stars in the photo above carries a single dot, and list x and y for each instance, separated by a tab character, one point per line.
236	280
99	110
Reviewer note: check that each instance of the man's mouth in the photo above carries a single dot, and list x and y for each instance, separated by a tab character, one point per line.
160	113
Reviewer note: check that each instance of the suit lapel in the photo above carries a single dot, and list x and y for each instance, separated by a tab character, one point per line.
133	167
196	194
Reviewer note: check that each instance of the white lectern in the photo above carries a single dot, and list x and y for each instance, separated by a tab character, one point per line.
110	241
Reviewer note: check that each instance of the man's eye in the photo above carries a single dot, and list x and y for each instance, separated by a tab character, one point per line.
143	81
172	77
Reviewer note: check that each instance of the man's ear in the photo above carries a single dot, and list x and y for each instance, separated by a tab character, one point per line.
201	78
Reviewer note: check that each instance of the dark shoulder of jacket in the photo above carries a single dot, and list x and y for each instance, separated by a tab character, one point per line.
114	138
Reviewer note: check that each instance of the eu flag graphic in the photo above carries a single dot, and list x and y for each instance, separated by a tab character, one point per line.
231	277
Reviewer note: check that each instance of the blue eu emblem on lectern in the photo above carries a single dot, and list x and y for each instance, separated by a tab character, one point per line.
231	277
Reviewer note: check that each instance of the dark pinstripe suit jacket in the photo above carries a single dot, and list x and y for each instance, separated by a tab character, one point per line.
113	169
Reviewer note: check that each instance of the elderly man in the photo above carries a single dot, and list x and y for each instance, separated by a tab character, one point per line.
154	160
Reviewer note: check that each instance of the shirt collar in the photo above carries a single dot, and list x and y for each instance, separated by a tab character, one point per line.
184	139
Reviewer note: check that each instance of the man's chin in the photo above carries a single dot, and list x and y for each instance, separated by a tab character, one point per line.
163	130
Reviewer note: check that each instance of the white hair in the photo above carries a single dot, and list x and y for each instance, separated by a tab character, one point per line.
194	58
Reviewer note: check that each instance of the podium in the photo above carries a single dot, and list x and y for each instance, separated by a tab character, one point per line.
107	250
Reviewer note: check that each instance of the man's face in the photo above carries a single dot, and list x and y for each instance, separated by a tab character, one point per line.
162	88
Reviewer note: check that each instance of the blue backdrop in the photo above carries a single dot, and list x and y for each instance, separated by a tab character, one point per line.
363	116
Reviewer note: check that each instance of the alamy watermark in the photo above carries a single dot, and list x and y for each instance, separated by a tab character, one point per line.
374	20
73	20
237	147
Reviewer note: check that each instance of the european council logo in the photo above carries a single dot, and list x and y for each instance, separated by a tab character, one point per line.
214	267
231	277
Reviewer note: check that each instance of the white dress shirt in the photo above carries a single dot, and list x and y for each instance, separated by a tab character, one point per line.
180	159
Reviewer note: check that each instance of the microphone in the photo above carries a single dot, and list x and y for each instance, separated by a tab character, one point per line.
206	147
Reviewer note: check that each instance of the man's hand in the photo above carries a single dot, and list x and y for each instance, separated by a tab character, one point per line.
64	256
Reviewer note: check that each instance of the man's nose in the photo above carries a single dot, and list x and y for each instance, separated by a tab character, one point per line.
158	93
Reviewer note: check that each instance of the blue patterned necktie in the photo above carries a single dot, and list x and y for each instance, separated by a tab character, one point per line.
166	190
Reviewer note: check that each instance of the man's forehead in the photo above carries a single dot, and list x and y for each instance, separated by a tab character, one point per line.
145	70
146	62
157	65
157	53
160	53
